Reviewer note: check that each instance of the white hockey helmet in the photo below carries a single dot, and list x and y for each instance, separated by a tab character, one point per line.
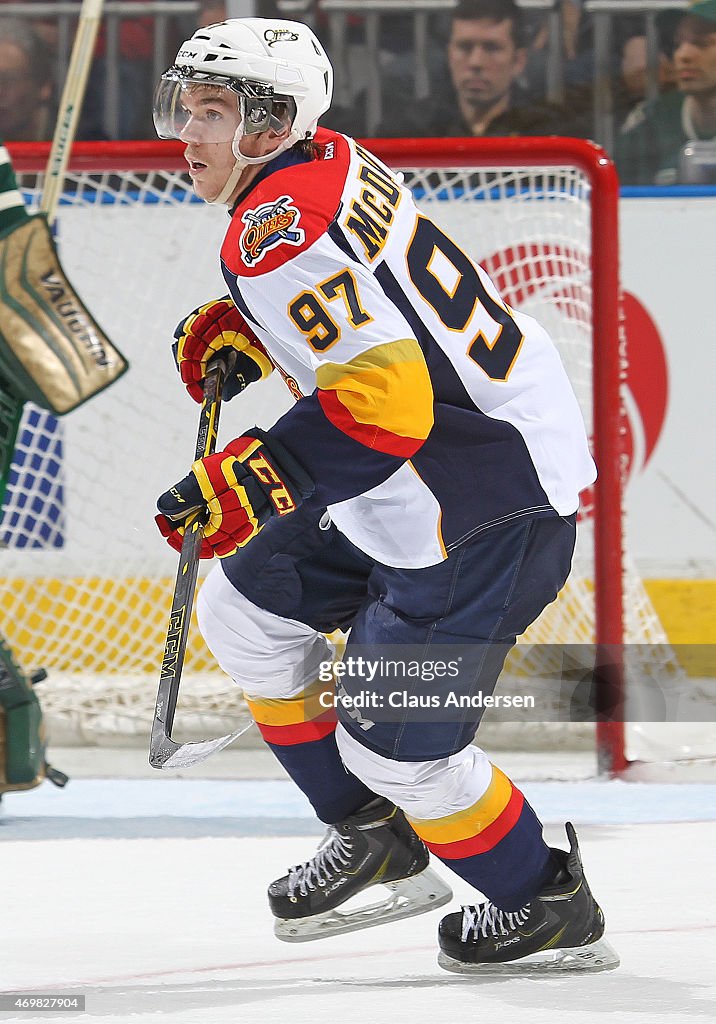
269	65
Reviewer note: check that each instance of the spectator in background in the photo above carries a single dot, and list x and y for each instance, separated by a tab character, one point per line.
133	116
577	72
26	84
634	68
577	47
634	76
649	146
486	55
128	115
43	24
211	12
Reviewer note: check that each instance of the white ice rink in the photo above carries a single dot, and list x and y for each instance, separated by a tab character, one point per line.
147	896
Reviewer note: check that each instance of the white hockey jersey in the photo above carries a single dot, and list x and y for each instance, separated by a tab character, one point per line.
428	409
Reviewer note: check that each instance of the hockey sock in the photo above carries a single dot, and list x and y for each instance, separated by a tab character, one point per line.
301	734
12	207
318	771
496	845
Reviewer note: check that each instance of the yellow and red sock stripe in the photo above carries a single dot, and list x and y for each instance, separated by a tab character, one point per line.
478	828
298	719
382	398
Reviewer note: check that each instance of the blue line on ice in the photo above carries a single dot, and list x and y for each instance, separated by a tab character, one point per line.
596	803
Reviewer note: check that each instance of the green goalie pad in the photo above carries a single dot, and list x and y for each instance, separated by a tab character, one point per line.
10	413
52	351
23	764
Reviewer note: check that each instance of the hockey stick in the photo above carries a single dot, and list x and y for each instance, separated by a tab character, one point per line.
164	752
73	94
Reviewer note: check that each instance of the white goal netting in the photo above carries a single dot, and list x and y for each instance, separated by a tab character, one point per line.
86	580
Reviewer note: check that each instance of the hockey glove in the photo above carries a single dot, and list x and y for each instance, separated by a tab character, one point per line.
241	487
173	533
207	330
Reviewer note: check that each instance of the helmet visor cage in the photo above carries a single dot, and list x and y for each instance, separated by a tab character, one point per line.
201	108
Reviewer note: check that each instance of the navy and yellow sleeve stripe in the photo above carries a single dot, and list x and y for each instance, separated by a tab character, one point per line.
366	417
382	398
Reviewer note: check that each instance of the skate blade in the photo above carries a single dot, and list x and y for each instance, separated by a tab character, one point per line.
408	897
597	956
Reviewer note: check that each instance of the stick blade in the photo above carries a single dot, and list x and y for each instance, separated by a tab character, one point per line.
167	753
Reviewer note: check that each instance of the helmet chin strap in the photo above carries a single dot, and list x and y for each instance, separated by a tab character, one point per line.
243	162
247	161
281	148
230	184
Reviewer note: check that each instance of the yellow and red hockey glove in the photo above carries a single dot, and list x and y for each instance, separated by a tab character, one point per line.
241	488
173	533
207	330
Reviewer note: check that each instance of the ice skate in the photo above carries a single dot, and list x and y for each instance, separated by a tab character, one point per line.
559	931
374	846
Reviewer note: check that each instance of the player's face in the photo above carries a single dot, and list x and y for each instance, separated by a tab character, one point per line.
484	60
210	133
695	57
212	118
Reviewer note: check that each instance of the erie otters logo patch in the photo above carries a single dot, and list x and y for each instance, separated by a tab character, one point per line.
279	35
267	226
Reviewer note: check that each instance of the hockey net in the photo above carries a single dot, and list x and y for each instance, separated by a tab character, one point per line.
87	582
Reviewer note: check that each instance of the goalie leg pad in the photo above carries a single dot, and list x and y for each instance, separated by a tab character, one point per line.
22	747
10	414
52	351
22	731
22	734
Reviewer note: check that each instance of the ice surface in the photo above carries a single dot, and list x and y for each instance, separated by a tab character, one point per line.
148	898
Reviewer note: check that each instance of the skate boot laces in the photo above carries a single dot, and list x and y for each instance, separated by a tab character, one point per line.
333	854
490	922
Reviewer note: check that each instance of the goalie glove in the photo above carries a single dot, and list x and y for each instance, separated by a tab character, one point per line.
216	325
238	489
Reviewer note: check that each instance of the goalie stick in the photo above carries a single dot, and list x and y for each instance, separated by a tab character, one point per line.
165	752
70	105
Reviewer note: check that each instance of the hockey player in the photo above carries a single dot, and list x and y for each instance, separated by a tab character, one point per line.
421	492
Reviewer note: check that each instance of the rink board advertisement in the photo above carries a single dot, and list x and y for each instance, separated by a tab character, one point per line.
667	252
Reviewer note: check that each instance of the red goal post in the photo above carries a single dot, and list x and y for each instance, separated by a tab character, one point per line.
525	155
